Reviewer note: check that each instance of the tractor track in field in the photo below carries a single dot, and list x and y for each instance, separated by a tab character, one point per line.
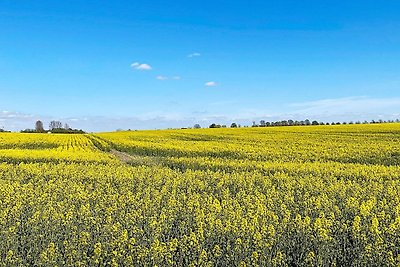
136	160
122	156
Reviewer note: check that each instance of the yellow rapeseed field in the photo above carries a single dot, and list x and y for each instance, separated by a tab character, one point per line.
280	196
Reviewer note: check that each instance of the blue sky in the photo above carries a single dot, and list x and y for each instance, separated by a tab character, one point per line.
102	65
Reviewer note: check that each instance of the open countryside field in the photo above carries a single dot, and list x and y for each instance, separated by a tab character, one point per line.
274	196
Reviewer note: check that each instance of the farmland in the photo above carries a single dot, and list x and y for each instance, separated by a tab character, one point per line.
275	196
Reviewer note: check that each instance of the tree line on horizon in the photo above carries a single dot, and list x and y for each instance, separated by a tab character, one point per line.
59	127
54	127
306	122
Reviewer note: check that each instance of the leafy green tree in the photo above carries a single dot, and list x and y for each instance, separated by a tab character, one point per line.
215	126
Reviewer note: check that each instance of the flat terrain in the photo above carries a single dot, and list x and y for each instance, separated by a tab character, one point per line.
280	196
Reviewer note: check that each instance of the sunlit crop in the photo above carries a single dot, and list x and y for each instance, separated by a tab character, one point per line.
291	196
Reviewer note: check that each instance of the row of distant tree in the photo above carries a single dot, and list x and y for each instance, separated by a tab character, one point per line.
59	127
54	127
307	122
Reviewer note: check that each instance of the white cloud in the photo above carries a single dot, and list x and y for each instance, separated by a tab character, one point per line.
161	78
336	109
359	104
10	115
327	110
210	84
141	66
194	54
16	121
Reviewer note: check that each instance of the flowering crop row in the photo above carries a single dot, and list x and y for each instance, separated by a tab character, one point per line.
293	196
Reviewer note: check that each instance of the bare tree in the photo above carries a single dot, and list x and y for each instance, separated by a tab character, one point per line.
66	126
39	127
55	125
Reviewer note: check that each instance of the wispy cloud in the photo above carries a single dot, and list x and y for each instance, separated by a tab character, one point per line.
196	54
10	120
163	78
348	104
155	120
140	66
211	84
357	108
5	114
327	110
